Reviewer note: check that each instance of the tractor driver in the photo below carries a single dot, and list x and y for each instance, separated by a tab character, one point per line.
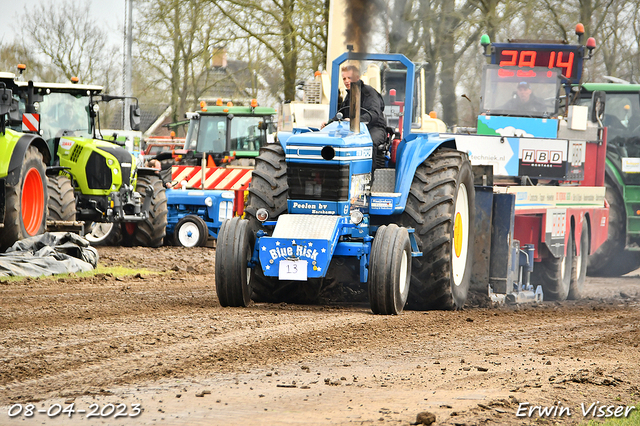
371	104
524	100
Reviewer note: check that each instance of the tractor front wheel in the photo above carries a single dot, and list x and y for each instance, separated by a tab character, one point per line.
268	190
191	231
554	273
389	270
233	253
26	202
104	234
579	267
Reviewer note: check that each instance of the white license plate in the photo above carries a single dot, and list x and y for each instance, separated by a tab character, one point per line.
295	270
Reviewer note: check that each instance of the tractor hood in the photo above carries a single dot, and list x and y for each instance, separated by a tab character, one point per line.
328	172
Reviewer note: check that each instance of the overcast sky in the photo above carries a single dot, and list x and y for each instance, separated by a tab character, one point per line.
108	14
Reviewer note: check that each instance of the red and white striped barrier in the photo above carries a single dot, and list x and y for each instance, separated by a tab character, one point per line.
216	178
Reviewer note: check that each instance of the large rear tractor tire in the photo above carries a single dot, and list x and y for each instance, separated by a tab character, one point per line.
268	190
233	253
554	273
191	231
440	207
389	270
579	266
26	203
151	231
611	259
62	199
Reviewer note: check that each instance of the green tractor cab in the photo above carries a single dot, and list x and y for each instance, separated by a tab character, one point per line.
228	134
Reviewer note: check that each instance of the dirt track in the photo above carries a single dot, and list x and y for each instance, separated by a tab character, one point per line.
160	340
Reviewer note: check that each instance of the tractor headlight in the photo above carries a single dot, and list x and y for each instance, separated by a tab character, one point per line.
96	108
356	216
36	106
262	215
208	202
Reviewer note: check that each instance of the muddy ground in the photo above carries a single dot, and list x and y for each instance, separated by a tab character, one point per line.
161	340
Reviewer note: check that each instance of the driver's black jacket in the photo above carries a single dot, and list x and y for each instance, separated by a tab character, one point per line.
372	107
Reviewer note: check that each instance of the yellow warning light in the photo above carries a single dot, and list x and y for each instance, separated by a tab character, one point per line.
75	80
638	212
225	110
203	106
254	103
219	102
173	134
627	107
229	104
433	114
22	67
317	73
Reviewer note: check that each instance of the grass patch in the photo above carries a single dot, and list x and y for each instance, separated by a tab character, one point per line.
632	420
116	271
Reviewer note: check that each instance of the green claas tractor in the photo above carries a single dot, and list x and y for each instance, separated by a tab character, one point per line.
23	185
620	254
90	179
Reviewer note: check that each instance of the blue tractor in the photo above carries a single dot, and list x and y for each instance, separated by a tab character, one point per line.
195	215
320	211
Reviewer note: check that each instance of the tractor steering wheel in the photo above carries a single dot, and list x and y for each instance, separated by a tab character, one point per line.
361	109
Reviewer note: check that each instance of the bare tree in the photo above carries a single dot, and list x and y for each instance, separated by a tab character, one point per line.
66	34
12	54
291	32
175	41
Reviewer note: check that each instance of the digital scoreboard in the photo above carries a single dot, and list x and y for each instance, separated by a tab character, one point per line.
568	58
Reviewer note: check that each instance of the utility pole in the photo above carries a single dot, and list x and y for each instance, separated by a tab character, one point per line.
128	62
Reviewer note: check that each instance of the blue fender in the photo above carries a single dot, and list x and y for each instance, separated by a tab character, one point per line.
283	137
412	152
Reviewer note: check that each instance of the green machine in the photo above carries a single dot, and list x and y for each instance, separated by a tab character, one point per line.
23	183
228	133
91	179
620	254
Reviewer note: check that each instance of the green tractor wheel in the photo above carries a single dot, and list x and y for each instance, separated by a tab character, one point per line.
611	259
151	231
26	203
62	200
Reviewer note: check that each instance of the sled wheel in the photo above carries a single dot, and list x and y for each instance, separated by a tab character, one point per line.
233	253
579	266
151	231
191	231
62	199
26	203
554	274
611	259
389	270
440	207
104	234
